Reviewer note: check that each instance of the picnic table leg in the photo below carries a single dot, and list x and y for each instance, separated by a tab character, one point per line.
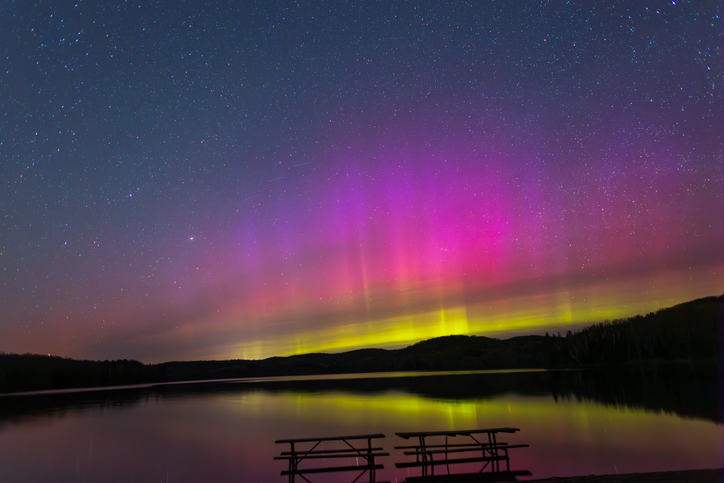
371	470
446	455
423	456
292	464
492	441
490	450
370	460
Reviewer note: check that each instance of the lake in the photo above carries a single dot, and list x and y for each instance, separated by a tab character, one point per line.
576	423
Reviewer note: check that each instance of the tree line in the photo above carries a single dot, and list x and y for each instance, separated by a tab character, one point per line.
689	331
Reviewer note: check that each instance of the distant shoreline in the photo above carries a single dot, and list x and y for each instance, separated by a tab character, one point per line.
685	332
342	376
290	378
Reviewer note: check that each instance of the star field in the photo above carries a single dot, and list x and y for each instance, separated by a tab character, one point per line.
188	180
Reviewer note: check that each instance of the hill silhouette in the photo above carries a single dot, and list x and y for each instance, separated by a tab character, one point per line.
688	331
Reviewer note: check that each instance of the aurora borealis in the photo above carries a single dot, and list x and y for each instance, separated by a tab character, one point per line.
218	180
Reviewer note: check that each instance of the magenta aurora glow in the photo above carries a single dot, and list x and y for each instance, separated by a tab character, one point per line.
233	180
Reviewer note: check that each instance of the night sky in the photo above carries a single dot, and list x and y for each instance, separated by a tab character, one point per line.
243	179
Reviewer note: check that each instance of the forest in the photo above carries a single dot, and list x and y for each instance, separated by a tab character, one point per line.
691	331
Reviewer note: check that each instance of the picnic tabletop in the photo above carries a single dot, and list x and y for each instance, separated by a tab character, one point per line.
330	438
457	432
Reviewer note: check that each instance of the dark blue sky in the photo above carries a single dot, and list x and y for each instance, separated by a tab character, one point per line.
243	179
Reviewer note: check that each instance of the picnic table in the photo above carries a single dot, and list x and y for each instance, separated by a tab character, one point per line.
479	446
334	447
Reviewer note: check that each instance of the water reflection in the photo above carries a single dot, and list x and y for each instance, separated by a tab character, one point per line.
575	423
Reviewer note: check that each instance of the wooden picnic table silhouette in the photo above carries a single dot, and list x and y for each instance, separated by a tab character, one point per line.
432	448
346	448
478	446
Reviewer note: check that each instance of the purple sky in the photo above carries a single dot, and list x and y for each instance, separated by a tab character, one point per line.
238	180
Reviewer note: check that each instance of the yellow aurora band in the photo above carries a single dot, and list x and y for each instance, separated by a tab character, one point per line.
501	318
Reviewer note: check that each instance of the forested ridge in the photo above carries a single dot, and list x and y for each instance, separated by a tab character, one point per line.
688	331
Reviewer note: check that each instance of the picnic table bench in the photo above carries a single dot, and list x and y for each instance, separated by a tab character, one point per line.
481	446
334	447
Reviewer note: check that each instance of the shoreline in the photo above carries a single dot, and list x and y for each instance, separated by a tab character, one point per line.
317	376
680	476
683	476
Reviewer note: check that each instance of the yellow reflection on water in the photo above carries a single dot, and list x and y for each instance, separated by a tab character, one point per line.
566	437
230	435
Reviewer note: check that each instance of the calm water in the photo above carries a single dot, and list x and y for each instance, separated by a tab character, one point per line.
576	423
